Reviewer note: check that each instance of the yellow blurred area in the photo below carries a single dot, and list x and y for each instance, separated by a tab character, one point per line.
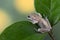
24	6
4	20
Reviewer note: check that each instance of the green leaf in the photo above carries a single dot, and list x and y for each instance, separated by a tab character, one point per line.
49	8
23	30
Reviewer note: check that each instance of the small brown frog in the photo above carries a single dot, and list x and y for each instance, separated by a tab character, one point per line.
42	22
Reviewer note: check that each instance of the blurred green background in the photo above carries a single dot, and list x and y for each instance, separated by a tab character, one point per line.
15	11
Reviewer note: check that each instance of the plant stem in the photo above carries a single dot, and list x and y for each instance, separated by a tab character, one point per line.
51	35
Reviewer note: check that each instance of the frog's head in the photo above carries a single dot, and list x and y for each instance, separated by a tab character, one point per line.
34	17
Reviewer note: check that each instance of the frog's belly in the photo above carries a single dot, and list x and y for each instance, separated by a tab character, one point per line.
41	25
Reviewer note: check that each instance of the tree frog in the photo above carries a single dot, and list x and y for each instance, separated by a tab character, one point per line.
44	23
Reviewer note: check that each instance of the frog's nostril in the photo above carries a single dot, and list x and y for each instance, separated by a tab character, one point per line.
28	16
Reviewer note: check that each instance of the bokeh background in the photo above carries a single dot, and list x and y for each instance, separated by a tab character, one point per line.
12	11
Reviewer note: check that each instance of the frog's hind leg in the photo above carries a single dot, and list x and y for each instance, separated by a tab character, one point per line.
48	22
43	30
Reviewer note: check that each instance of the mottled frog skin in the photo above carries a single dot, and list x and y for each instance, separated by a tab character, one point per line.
42	22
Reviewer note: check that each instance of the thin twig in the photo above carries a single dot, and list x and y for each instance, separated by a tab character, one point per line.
51	35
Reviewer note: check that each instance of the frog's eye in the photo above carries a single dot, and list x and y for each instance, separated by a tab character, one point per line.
28	16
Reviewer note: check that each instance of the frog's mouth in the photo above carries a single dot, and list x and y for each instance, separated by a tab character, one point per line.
33	21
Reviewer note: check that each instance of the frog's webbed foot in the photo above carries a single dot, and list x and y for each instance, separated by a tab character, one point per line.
38	30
